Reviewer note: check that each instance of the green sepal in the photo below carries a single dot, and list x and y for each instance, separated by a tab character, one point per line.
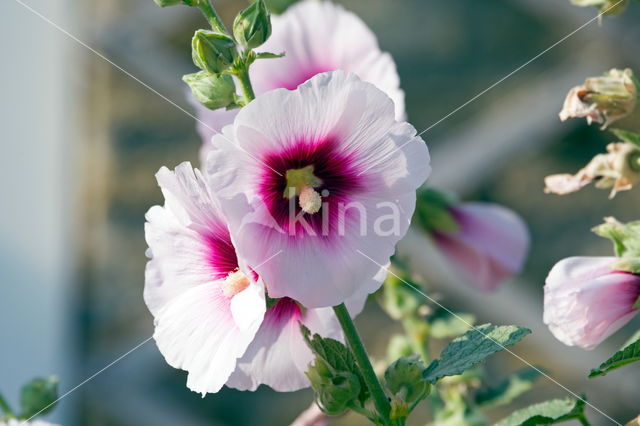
433	212
165	3
279	6
627	136
39	396
252	26
637	304
625	236
211	90
631	265
212	51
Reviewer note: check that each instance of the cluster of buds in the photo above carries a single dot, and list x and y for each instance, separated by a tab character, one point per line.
405	382
219	56
603	99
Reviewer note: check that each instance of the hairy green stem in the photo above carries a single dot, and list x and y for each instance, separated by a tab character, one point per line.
245	84
362	359
212	16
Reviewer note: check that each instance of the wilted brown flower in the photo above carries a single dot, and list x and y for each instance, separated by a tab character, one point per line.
603	99
618	169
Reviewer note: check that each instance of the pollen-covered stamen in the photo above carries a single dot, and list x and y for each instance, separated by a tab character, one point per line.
234	283
310	201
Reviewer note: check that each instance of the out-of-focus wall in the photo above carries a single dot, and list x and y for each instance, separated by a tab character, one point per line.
36	197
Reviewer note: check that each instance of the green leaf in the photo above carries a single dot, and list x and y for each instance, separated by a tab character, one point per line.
38	396
444	325
472	348
269	55
509	389
625	236
626	136
627	355
546	413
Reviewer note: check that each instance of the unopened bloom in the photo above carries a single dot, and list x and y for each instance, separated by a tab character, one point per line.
585	301
603	99
316	36
336	136
211	316
618	169
489	245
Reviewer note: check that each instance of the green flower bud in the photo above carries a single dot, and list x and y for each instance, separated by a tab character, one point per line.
335	391
252	26
211	90
213	52
38	396
164	3
404	379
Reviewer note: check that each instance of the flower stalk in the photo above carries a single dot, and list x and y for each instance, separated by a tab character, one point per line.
353	338
212	16
245	84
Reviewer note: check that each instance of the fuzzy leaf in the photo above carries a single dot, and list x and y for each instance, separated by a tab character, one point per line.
546	413
627	355
627	136
509	389
269	55
472	348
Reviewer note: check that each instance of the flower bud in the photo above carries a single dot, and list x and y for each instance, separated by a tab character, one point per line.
335	391
211	90
603	99
212	52
618	169
404	380
606	7
252	26
164	3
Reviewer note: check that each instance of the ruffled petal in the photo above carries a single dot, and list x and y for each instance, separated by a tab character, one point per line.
197	332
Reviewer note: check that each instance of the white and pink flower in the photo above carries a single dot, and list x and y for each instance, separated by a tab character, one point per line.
211	316
490	245
585	301
335	137
316	36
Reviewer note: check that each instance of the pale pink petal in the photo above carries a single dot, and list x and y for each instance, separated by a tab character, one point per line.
490	246
278	357
196	332
586	301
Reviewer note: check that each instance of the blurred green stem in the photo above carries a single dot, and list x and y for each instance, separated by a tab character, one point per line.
245	84
5	407
362	359
212	16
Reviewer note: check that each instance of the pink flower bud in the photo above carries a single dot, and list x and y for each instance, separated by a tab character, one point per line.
490	246
585	301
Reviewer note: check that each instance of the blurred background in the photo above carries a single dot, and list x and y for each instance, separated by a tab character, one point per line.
81	141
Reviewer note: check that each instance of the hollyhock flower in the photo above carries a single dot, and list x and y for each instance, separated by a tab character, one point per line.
585	301
210	312
324	174
316	36
489	245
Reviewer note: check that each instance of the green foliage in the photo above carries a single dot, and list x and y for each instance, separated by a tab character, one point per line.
38	396
472	348
269	55
447	325
252	26
627	136
547	413
403	379
433	212
627	355
279	6
334	375
509	389
165	3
